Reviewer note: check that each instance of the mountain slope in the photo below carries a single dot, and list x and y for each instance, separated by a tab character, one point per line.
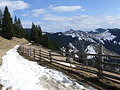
109	38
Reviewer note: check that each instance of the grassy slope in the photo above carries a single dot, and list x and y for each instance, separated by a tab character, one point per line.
5	45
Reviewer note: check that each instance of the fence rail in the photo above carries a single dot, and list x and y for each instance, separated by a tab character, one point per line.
96	65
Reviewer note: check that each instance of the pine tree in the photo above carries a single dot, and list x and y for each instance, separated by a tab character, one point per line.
34	34
19	31
0	19
16	26
40	34
7	25
27	36
46	42
22	31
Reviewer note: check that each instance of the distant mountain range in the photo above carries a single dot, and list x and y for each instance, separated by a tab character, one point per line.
109	38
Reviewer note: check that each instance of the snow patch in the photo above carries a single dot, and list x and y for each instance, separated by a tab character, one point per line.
114	42
59	34
90	50
101	37
106	36
21	74
67	64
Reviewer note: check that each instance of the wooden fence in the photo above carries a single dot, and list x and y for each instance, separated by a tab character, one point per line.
98	64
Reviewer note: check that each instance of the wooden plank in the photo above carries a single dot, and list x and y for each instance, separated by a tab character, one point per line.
40	54
50	56
100	59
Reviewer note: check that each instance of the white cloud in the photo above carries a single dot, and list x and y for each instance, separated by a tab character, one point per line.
28	23
13	5
65	8
83	10
80	22
24	15
37	12
50	17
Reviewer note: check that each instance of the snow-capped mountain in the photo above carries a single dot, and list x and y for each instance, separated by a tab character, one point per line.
110	38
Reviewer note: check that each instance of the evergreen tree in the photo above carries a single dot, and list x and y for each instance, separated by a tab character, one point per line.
7	25
38	38
1	19
19	31
22	31
16	26
55	46
39	34
34	34
27	36
46	42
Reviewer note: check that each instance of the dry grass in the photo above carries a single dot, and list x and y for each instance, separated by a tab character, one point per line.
5	45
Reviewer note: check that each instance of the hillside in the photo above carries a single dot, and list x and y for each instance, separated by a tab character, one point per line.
109	38
5	45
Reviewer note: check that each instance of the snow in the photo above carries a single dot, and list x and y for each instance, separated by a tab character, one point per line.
59	34
19	73
71	45
114	42
101	37
90	50
67	64
29	44
106	36
79	35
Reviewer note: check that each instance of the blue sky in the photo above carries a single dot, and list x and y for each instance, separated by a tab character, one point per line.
62	15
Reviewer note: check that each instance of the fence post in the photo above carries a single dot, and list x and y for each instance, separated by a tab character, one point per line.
85	61
30	51
50	55
34	54
40	55
100	60
19	48
22	49
25	50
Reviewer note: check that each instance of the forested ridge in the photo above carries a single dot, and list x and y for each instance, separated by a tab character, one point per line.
10	28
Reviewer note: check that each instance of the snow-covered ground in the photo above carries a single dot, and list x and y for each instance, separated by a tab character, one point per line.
19	73
90	50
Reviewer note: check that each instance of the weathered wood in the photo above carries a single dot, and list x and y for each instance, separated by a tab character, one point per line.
40	54
100	59
30	51
34	54
50	56
25	50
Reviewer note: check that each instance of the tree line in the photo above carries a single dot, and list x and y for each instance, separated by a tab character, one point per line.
9	29
42	39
